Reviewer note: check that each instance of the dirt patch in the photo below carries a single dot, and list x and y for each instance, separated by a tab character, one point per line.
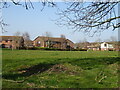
59	68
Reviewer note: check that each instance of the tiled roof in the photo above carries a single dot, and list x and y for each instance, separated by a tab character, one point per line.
53	39
10	37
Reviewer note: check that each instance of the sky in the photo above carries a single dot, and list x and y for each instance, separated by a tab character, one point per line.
37	22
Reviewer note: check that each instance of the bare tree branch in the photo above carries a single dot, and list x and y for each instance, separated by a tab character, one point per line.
27	4
91	18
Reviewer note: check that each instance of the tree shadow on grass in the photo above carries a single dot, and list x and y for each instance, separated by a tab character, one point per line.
90	63
84	63
26	72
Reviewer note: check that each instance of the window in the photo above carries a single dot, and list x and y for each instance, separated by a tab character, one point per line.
105	45
38	42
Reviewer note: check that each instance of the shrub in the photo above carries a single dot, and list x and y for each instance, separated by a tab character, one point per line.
44	48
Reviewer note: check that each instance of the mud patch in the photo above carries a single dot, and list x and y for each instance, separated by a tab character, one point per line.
64	68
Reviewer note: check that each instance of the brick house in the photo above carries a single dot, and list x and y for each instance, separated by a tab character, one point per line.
51	42
13	42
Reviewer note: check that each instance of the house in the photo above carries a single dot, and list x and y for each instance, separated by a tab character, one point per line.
82	45
28	43
94	46
13	42
51	42
106	46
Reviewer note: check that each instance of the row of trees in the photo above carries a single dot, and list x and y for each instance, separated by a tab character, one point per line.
111	39
49	34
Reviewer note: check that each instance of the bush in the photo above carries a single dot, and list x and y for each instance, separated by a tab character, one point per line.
111	50
80	49
43	48
52	49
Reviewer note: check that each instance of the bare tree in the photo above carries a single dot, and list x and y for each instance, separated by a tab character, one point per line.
83	43
48	42
98	40
63	41
27	41
48	34
91	18
27	4
16	40
17	33
84	40
113	39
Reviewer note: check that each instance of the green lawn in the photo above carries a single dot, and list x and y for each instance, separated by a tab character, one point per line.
59	69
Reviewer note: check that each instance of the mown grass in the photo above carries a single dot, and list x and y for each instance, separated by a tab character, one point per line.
59	69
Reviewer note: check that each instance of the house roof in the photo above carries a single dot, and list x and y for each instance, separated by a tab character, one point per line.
107	42
10	37
53	39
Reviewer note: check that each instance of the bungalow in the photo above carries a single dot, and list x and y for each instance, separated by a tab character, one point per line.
13	42
51	42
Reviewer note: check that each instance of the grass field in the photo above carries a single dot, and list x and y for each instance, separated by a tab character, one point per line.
59	69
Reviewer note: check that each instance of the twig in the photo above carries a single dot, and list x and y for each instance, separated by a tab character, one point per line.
21	81
98	75
102	78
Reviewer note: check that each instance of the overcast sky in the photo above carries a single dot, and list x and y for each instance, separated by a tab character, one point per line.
36	23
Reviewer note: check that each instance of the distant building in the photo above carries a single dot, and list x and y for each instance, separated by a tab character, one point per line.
105	46
11	42
94	48
51	42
